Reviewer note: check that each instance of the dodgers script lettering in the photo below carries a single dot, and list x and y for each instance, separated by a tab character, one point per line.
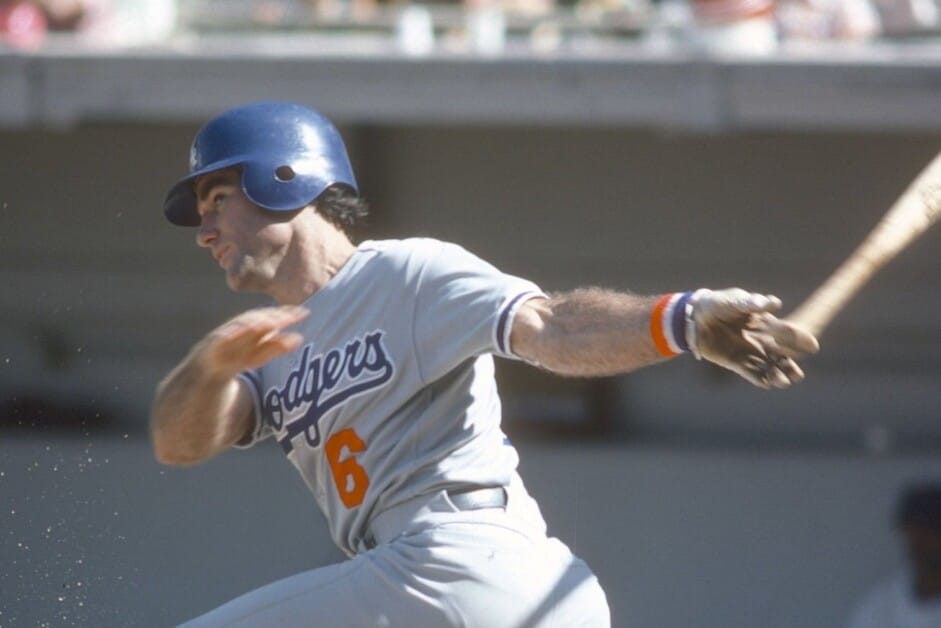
322	382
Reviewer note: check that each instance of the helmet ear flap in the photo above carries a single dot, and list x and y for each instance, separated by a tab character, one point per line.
278	187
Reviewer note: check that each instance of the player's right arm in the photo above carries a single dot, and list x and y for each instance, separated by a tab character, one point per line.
201	408
590	332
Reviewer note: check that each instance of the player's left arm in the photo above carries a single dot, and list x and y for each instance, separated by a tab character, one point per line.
590	332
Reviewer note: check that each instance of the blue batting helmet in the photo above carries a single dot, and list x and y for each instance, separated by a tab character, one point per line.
288	154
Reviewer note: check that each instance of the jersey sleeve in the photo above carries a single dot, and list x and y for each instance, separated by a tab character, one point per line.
261	429
464	308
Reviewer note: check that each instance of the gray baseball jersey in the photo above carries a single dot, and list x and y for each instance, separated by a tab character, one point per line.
391	395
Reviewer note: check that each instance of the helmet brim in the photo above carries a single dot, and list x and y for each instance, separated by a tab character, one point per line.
179	206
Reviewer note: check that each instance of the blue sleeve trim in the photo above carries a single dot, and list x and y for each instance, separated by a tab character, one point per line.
254	386
503	337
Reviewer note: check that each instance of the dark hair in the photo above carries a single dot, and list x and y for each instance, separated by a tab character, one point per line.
340	205
920	505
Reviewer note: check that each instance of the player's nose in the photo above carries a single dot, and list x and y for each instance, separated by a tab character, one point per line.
206	234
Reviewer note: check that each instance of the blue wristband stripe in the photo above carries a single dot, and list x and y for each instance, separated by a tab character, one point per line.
679	321
668	324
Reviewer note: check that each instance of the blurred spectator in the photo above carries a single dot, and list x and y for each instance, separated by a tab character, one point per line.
736	26
900	18
22	25
357	10
911	597
63	15
129	23
823	20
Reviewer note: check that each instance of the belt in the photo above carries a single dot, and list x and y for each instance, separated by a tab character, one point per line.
392	522
477	498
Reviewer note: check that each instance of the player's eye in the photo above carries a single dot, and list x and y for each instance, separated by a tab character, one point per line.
218	199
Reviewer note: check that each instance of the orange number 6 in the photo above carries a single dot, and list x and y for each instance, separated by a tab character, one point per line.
348	475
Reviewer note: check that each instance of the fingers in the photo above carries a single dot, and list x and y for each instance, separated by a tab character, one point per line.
731	304
262	320
271	348
737	329
752	302
755	356
788	338
752	369
253	338
766	372
765	366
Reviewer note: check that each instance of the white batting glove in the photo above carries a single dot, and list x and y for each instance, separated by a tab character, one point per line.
737	330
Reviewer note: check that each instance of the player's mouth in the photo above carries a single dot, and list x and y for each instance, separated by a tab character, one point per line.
219	255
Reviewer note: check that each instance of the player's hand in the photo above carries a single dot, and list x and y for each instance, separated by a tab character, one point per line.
250	340
738	331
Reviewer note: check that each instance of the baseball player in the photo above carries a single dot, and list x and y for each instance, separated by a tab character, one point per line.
373	372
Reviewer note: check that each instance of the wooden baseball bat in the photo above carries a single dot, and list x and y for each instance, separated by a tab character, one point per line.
912	214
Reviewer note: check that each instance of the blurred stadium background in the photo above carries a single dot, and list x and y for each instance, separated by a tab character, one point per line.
646	146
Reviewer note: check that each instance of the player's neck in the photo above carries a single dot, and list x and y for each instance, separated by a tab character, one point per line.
311	265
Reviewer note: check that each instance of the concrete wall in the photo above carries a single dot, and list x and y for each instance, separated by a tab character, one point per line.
710	505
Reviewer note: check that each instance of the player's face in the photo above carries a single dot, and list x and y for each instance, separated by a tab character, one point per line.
248	242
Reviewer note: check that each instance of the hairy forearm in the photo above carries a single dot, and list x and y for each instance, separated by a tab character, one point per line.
588	332
200	407
191	414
